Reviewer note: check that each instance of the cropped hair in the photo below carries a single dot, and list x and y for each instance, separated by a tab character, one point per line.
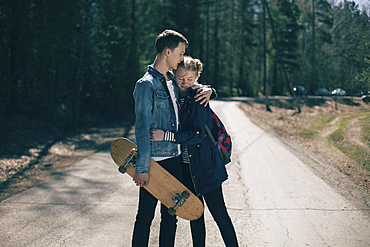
192	64
169	39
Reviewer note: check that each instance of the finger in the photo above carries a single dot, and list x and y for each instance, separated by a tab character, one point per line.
201	97
200	94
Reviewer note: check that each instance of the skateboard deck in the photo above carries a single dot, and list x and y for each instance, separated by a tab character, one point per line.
162	185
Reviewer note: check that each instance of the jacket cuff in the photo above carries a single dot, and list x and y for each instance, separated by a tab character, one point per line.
141	170
169	136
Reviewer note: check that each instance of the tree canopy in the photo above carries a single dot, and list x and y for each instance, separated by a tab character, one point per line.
76	61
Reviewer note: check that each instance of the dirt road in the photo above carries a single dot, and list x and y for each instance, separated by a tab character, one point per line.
277	194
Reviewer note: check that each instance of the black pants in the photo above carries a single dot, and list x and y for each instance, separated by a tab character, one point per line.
216	205
146	210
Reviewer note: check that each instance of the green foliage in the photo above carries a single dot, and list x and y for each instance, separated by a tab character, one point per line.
351	32
364	76
286	22
76	61
67	60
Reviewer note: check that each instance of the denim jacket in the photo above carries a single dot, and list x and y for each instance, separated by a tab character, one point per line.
154	110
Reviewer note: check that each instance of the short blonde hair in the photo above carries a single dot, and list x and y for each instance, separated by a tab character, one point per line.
192	64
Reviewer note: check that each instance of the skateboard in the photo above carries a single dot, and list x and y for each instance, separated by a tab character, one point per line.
162	185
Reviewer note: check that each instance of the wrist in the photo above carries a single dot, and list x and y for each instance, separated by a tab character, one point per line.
169	136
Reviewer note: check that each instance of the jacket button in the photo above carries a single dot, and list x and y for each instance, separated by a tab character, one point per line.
197	132
173	154
189	155
173	125
198	145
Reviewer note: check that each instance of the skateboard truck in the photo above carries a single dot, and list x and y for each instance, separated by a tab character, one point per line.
179	200
131	160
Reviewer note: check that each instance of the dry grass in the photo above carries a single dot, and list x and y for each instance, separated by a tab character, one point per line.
338	131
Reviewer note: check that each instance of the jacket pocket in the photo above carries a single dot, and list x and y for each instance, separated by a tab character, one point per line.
161	99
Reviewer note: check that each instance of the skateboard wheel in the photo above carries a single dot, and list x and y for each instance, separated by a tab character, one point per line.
121	169
171	211
185	194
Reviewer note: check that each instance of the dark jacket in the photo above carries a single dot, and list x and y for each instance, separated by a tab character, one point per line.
207	168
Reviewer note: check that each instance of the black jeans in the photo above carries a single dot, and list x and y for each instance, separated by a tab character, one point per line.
216	205
146	210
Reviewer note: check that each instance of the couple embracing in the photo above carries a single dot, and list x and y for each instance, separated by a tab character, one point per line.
171	114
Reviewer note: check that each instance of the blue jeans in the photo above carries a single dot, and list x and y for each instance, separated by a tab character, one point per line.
146	210
216	205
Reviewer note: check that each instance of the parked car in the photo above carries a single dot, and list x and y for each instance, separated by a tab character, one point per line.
322	92
300	90
365	96
338	92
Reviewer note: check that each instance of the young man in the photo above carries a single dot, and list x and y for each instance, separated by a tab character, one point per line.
156	107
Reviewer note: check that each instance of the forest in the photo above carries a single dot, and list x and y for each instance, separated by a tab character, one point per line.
72	63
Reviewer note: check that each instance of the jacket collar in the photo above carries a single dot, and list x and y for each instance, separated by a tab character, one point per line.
159	75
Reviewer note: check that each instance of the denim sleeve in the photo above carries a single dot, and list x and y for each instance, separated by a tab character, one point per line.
214	93
196	122
143	95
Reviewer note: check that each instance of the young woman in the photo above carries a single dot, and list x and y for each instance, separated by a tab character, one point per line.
203	168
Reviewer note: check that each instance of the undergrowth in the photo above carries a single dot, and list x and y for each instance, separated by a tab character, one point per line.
319	122
355	152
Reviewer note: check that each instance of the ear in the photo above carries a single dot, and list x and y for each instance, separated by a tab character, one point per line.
167	51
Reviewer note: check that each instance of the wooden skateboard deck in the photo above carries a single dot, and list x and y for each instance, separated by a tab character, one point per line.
162	185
